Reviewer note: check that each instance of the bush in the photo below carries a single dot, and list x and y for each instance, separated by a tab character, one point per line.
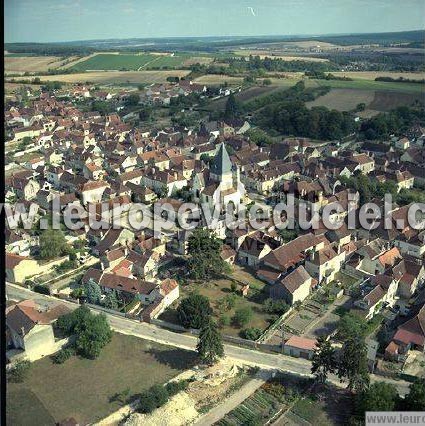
174	388
277	307
19	372
154	397
224	320
243	316
42	289
63	355
251	333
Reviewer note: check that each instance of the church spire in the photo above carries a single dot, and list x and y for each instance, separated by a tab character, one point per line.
222	164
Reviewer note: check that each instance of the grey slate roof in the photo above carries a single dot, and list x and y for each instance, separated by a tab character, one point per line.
222	163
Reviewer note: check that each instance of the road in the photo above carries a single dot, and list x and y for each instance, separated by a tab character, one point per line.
267	361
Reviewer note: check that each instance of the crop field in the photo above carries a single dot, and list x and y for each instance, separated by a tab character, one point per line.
137	61
375	101
371	75
106	61
343	99
117	77
22	64
278	55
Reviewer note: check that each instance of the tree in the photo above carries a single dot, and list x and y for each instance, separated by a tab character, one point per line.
204	255
210	345
350	326
132	100
111	300
92	331
415	399
194	311
52	243
93	292
379	396
243	316
92	335
323	361
352	364
232	109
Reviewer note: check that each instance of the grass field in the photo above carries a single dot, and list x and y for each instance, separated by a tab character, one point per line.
81	388
114	77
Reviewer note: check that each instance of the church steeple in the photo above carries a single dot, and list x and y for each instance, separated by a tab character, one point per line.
221	164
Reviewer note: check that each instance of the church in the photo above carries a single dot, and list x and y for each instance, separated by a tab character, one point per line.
220	184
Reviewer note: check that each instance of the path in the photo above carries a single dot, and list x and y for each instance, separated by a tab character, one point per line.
217	413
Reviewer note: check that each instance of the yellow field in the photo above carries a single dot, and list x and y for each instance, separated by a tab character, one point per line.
110	77
32	63
371	75
277	55
218	79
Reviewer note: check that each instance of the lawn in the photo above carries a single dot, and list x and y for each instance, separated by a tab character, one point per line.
216	290
81	388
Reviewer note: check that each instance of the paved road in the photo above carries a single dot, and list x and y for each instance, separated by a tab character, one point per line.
151	332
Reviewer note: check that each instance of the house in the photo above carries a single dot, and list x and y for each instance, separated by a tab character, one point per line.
290	255
92	191
383	290
19	268
300	347
294	287
409	273
253	249
410	335
323	264
30	327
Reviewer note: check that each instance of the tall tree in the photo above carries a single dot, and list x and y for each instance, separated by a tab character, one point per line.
210	345
379	396
323	361
415	399
204	255
194	311
352	364
232	109
93	292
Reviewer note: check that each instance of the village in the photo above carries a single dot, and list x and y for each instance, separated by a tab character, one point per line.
279	290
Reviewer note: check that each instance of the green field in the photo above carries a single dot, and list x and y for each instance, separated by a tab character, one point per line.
139	61
114	62
82	388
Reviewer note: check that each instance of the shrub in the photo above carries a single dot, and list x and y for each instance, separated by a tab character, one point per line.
63	355
42	289
251	333
243	316
174	388
19	372
154	397
277	307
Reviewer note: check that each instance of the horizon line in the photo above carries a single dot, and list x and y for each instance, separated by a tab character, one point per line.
213	36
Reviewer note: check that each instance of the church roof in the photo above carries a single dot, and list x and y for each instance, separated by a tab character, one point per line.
222	163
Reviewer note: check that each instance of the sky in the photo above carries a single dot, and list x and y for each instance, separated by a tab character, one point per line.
69	20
